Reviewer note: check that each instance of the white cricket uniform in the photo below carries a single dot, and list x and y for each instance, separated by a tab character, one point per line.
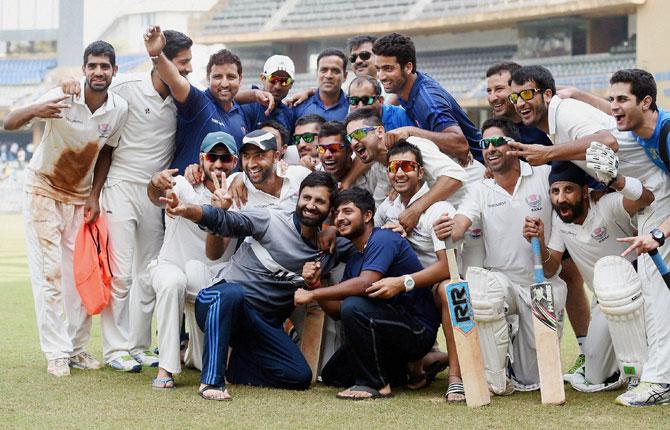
135	224
183	245
58	182
570	119
422	238
502	217
587	243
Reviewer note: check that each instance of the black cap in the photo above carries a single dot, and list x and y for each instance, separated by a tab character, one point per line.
566	171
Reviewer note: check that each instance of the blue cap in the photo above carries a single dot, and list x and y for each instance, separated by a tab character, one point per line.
217	137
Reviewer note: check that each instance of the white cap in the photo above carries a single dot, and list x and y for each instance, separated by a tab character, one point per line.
279	62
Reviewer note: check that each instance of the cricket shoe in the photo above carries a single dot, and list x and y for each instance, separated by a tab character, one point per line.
125	363
645	394
59	367
581	384
146	359
577	367
84	361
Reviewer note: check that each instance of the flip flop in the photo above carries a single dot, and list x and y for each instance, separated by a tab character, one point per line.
161	383
374	394
221	388
455	388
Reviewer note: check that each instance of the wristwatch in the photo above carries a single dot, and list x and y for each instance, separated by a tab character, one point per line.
658	236
408	283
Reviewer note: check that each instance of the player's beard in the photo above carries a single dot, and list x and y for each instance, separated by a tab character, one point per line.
310	222
576	211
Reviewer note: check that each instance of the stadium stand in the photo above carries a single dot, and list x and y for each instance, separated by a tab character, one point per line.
242	16
24	71
445	8
318	13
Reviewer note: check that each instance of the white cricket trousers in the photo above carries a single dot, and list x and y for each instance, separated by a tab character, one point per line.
51	230
136	235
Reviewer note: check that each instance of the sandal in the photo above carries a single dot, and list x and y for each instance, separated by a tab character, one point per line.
221	388
163	383
374	394
455	388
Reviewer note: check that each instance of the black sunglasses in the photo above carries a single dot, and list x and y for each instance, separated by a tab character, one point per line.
307	137
212	157
367	100
365	56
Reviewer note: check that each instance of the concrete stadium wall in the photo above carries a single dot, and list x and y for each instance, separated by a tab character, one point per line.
652	45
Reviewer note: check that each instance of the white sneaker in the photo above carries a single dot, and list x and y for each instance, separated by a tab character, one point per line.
146	359
59	367
579	383
84	361
125	363
645	394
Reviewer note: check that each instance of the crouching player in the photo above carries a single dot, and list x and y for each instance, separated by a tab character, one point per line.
184	244
589	229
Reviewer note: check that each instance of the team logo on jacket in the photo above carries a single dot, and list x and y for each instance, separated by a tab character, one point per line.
103	129
600	234
534	201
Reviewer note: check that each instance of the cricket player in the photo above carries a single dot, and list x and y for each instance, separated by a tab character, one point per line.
501	204
62	191
573	125
589	230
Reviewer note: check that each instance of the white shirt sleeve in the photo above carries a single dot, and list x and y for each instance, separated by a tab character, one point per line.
381	213
576	119
113	139
432	214
613	206
436	163
471	205
556	240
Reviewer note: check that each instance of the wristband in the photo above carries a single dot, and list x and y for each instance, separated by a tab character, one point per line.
632	189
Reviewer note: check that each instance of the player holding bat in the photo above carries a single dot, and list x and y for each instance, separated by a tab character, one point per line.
502	203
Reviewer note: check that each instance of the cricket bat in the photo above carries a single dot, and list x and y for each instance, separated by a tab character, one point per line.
466	336
660	265
545	326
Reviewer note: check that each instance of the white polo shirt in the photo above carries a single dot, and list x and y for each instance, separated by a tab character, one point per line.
422	238
596	237
288	196
147	142
571	119
62	166
184	240
502	217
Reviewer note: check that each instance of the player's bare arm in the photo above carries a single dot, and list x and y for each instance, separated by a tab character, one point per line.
387	288
50	109
551	259
160	182
537	155
451	140
92	205
154	41
443	188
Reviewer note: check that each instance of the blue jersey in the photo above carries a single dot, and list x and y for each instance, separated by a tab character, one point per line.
281	113
314	105
533	135
391	255
652	144
432	108
200	115
395	117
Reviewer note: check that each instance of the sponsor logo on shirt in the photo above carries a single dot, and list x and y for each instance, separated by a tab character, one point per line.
495	205
476	233
103	129
534	201
219	123
600	234
244	129
147	111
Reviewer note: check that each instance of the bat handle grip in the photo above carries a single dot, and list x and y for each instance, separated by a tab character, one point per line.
538	269
660	265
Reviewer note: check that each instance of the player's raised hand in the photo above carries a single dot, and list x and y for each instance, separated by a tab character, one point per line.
299	97
51	109
309	162
70	86
640	244
533	227
535	155
394	226
266	99
154	40
302	297
391	137
603	161
443	226
171	203
220	197
164	180
194	173
386	288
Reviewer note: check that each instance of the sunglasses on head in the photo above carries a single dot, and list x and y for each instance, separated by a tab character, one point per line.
525	95
332	147
496	141
282	80
212	157
404	165
365	56
359	133
367	100
307	137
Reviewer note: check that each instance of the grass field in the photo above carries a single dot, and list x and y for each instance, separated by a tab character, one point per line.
105	399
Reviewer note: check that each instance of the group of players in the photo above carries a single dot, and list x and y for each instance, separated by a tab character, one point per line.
231	209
